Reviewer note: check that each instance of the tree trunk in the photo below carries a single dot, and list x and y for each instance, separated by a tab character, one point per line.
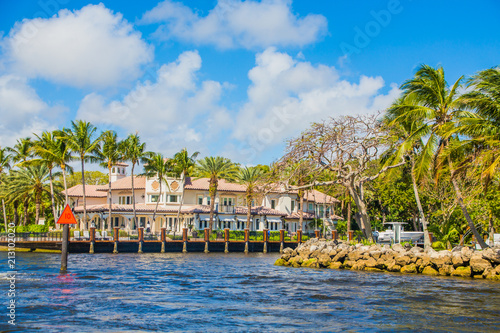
363	214
25	217
491	229
157	202
427	239
133	193
480	240
212	206
84	197
301	210
16	212
249	211
349	211
4	214
63	167
110	199
52	198
182	197
37	207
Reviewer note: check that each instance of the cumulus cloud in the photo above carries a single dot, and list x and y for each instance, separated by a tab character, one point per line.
172	111
286	95
22	111
234	23
88	47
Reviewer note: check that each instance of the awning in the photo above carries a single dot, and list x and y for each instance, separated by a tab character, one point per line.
227	219
273	219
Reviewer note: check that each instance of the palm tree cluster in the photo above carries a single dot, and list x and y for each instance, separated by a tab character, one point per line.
28	176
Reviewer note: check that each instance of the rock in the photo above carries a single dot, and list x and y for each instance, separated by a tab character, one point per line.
340	256
332	253
312	263
335	265
457	249
296	261
398	248
324	260
294	253
380	263
409	269
373	269
407	247
440	261
371	263
428	270
403	260
456	259
288	250
354	255
393	267
280	262
445	270
415	250
479	265
462	271
376	254
466	254
349	263
492	255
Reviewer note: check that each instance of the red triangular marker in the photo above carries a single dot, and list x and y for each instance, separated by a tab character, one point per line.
67	217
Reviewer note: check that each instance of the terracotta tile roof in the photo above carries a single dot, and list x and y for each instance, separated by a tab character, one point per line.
203	184
309	216
319	197
139	208
91	191
126	184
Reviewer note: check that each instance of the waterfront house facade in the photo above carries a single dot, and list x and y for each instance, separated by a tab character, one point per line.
185	202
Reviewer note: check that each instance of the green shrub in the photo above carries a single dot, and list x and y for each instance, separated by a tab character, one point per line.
438	246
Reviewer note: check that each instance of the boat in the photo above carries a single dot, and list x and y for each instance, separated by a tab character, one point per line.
396	232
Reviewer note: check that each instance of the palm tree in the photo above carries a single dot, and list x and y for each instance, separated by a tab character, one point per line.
410	145
4	165
155	165
135	152
46	143
82	141
482	125
21	153
250	177
110	154
438	106
183	167
30	181
214	168
56	150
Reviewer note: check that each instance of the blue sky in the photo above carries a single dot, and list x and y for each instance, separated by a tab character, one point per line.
225	77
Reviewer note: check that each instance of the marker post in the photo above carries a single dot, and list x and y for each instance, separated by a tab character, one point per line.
65	219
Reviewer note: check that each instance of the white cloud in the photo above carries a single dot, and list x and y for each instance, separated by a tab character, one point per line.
88	47
173	112
286	95
22	111
233	23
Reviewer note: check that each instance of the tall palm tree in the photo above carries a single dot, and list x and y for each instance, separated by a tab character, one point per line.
47	142
438	106
482	126
21	152
4	165
410	145
250	177
30	181
155	165
111	153
214	168
82	140
183	167
135	152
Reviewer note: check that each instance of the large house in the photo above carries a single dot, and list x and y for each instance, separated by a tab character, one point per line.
189	199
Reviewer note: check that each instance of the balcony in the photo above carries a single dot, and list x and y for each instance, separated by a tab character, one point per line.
226	209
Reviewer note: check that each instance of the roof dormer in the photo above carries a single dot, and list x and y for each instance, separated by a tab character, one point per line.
118	171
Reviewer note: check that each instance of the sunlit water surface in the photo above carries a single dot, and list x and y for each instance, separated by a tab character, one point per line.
236	292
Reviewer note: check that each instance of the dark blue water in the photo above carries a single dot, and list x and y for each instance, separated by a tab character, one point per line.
237	292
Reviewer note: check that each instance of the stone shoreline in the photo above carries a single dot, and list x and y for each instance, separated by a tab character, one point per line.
461	261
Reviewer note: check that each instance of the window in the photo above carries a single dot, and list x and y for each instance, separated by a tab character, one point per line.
125	200
293	205
200	200
321	211
311	207
273	204
257	224
227	201
208	200
172	198
113	170
154	198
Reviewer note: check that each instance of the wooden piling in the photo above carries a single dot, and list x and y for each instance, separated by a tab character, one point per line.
163	239
207	239
92	239
226	240
247	238
184	239
141	238
282	240
299	236
316	234
64	249
266	239
116	238
334	234
350	235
